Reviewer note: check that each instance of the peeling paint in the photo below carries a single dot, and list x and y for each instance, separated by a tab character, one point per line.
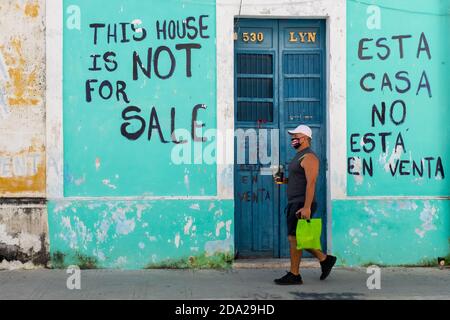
225	246
427	216
22	92
110	227
102	230
395	155
228	228
23	235
121	261
6	238
186	181
23	87
177	240
34	183
125	226
97	164
18	265
390	232
100	255
108	183
32	9
219	226
188	225
195	206
357	164
355	234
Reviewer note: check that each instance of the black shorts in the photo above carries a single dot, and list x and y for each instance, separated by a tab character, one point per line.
292	219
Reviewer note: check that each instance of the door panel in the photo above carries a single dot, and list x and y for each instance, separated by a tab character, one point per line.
279	84
256	107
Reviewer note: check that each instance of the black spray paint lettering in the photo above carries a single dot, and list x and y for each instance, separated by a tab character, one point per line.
429	167
133	113
117	33
416	168
259	195
190	27
402	82
106	90
172	128
368	48
195	125
160	61
381	115
252	178
125	116
366	166
383	50
155	60
109	60
369	142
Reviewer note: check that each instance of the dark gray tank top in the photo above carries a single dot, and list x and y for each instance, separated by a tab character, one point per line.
296	187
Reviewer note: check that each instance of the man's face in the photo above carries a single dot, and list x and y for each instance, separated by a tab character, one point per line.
297	140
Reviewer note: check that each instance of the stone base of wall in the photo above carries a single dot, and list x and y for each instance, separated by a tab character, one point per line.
24	232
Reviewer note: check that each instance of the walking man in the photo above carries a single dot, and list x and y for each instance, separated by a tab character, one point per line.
301	183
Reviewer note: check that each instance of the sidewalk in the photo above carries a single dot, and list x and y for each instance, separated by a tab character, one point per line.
396	283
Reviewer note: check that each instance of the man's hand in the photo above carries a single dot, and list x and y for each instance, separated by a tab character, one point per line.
279	180
304	213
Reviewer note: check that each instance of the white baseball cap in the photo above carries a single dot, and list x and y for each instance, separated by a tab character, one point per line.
302	129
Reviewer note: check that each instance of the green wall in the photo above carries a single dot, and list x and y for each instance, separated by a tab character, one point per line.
141	234
393	231
415	83
99	160
139	94
390	232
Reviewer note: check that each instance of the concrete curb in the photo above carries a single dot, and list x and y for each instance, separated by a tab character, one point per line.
272	264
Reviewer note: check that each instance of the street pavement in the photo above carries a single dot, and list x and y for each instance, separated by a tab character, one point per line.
240	284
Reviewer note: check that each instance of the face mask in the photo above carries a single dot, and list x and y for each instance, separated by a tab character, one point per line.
296	143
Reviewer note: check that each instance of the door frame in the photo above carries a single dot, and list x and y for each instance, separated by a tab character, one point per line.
278	50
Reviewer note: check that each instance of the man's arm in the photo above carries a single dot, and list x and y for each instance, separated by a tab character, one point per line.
311	165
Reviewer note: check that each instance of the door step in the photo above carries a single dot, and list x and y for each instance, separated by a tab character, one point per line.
272	264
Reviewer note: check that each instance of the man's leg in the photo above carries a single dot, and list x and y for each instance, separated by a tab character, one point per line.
326	262
318	254
292	277
296	255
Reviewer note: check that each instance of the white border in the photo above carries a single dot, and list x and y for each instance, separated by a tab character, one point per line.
54	130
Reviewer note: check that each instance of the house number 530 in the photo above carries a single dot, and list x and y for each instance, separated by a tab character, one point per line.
252	36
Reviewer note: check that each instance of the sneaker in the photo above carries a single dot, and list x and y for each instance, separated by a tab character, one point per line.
288	279
326	266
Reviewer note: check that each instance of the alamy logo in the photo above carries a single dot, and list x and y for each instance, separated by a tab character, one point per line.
74	280
374	280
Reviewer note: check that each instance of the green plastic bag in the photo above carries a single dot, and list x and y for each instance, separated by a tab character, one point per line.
308	234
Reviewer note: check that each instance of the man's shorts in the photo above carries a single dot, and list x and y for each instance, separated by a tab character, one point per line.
292	219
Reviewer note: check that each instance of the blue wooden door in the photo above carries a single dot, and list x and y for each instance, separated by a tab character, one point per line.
279	83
